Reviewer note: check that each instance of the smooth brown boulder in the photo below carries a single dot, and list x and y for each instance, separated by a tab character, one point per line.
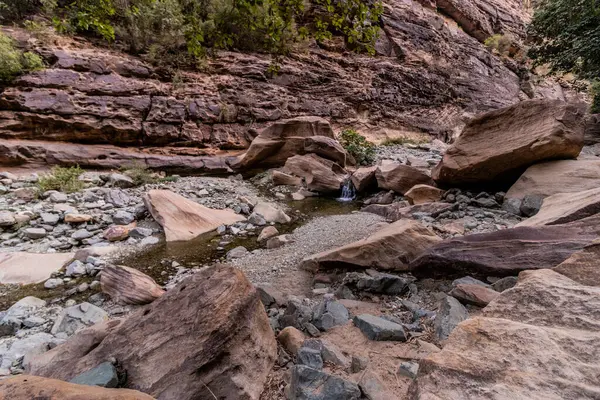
184	219
319	174
563	176
291	339
129	285
495	147
566	207
473	294
364	178
420	194
287	138
28	387
538	340
208	336
508	251
391	248
583	266
398	177
281	178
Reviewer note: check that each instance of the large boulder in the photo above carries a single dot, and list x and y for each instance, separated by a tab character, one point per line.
184	219
207	337
319	174
398	177
508	251
539	340
399	210
562	176
364	178
566	207
287	138
495	147
390	248
583	266
420	194
26	268
129	285
26	387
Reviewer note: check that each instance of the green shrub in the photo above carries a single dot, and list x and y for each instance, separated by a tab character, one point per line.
14	62
358	147
595	93
62	179
499	43
141	175
12	10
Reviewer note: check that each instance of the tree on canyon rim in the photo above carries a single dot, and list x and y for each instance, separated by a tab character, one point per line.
567	37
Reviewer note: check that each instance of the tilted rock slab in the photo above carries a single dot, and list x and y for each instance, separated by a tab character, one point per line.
398	177
552	177
508	251
539	340
184	219
320	174
209	333
583	266
566	207
391	248
129	285
497	146
24	387
25	268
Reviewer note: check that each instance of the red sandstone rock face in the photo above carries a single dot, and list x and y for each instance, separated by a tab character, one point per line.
427	73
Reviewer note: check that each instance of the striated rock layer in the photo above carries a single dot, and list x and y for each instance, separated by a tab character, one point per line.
428	72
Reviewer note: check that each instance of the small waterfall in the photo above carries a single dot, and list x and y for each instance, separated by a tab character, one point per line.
348	192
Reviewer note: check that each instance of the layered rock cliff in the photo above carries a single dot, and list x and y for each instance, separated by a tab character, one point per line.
431	70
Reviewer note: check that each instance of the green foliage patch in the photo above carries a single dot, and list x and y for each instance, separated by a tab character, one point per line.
358	146
14	62
63	179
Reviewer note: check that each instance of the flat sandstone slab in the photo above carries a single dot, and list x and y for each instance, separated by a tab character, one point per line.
25	268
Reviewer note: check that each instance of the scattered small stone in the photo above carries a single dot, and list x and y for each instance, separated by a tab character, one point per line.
120	181
408	369
81	234
140	233
58	197
311	384
35	233
237	252
278	241
76	268
123	218
310	357
149	241
358	364
33	321
329	314
379	329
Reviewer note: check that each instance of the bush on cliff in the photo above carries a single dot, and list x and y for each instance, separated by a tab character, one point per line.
358	147
14	62
201	26
567	38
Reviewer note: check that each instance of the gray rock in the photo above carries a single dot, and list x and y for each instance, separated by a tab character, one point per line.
257	219
35	233
140	233
25	349
310	358
104	375
373	388
512	206
123	218
11	320
81	234
76	268
329	314
333	355
7	218
149	241
79	316
120	181
378	282
531	204
450	313
221	229
408	369
469	280
33	321
117	197
277	241
486	203
53	283
505	283
50	218
376	328
57	197
237	252
9	326
358	364
310	384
